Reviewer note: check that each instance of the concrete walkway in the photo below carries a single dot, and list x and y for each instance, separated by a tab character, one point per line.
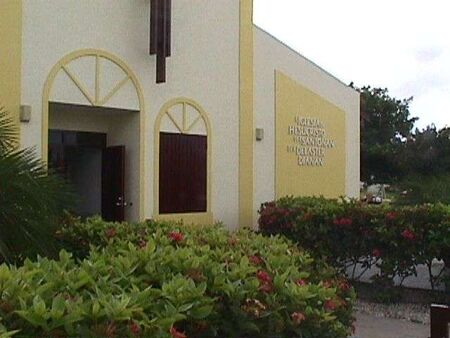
369	326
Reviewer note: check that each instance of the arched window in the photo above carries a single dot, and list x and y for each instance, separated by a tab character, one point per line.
182	161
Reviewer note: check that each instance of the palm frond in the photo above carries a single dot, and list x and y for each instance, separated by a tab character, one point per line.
31	200
8	131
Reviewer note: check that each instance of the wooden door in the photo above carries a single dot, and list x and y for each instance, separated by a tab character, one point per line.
182	173
113	184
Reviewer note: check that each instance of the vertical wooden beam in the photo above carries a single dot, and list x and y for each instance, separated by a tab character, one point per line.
161	43
153	25
160	35
168	27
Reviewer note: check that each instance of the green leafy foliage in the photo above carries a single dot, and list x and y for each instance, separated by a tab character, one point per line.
425	162
166	280
393	152
4	333
426	153
425	189
385	123
349	233
31	200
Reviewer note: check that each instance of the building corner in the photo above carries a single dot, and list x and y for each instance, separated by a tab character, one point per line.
11	57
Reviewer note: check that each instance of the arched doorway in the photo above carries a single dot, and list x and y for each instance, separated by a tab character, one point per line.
94	96
183	155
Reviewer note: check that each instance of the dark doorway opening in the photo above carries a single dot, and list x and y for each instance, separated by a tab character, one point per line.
96	171
113	184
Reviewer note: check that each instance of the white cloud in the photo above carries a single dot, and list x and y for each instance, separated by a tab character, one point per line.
402	45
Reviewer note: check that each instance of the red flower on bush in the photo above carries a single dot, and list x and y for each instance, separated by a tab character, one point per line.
195	274
368	233
263	277
307	217
269	205
233	241
265	281
142	243
287	225
177	334
253	307
266	287
343	222
300	282
376	253
344	285
328	284
391	215
298	318
340	303
330	305
255	260
175	236
110	233
409	235
135	329
111	330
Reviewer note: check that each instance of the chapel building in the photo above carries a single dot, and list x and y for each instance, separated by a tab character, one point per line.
174	109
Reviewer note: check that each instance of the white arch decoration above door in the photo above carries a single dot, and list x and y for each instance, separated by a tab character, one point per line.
184	117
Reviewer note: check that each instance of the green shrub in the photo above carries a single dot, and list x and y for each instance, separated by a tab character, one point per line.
4	332
348	233
165	280
425	189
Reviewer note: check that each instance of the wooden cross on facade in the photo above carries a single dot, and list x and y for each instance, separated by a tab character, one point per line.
160	35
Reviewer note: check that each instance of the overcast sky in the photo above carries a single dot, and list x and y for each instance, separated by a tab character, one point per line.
399	44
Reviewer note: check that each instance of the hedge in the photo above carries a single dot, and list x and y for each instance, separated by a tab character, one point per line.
350	233
169	280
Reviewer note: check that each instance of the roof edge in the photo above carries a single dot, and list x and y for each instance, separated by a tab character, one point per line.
304	57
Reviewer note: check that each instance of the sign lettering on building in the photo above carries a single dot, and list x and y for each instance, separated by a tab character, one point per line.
309	141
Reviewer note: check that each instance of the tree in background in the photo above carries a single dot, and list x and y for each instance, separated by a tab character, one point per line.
427	152
385	126
417	161
425	162
32	201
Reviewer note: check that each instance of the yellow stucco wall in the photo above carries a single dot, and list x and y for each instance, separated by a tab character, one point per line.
10	55
246	126
310	142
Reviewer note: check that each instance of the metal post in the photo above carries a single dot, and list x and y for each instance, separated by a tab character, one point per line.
440	318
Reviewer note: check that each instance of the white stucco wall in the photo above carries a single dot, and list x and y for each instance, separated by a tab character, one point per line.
271	55
203	67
